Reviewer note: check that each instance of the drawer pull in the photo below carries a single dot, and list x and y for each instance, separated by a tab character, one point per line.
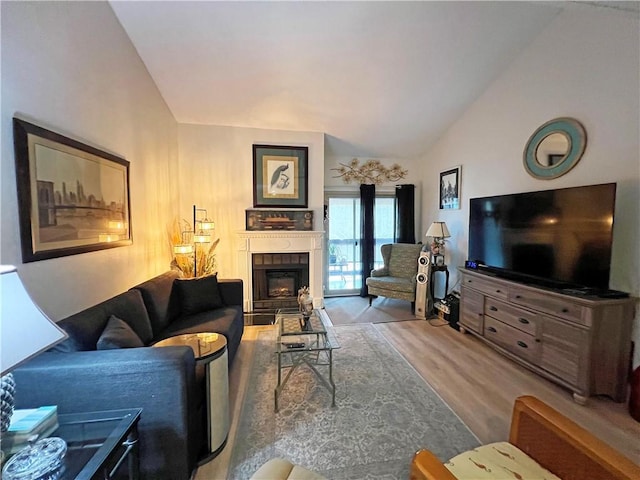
565	310
522	344
491	329
518	296
523	320
493	309
498	291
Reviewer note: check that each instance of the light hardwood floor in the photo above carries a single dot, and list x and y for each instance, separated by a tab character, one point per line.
478	384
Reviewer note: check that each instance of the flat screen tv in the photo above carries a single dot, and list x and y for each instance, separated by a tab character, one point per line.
558	238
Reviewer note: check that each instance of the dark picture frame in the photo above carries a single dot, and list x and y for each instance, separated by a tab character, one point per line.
72	198
450	188
280	176
279	220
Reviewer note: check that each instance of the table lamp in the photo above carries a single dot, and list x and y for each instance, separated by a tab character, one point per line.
24	333
439	231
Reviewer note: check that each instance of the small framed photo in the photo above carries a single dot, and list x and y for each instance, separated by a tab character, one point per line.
438	260
280	176
450	188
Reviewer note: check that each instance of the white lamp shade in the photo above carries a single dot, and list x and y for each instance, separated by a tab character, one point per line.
24	330
207	225
202	238
438	230
183	249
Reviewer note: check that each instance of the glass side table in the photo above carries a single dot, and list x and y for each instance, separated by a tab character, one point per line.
98	443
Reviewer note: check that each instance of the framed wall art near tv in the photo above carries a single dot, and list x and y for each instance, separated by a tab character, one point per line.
450	188
72	198
280	176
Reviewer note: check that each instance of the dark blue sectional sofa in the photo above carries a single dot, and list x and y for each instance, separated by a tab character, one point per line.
77	376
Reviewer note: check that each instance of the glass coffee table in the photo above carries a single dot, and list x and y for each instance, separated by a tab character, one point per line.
304	340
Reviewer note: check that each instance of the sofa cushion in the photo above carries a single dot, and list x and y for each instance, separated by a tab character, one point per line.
85	327
198	294
160	300
117	334
227	321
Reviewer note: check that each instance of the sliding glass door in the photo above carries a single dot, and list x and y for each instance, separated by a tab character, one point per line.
342	229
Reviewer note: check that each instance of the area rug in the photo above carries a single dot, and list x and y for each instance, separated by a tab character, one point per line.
384	413
353	310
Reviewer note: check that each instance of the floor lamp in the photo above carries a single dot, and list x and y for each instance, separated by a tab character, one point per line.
200	234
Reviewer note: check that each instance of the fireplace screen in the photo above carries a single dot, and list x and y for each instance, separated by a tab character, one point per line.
281	284
277	277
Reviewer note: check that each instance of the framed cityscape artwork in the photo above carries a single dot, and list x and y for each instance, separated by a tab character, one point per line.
72	198
280	176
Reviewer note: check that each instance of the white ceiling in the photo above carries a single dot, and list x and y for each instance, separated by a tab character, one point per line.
381	79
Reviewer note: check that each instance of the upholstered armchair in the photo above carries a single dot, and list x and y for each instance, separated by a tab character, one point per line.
397	278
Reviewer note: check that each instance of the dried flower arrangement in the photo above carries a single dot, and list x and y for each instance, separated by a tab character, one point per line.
205	256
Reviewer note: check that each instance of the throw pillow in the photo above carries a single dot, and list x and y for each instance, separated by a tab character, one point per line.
118	334
198	294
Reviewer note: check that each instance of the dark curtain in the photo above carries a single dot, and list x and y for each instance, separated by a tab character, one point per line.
367	241
405	214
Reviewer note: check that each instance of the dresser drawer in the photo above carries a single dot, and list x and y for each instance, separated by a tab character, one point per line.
490	287
516	317
472	308
548	304
512	339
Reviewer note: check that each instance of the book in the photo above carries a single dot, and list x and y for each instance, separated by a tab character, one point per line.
25	421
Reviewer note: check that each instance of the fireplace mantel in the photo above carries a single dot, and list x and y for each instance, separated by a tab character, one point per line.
250	242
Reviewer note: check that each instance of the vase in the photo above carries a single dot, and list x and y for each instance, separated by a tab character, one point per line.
7	392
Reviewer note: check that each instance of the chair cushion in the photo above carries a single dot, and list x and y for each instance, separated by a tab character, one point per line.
117	334
198	294
496	461
393	284
403	261
281	469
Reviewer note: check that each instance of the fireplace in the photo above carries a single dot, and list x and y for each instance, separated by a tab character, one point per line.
277	277
293	242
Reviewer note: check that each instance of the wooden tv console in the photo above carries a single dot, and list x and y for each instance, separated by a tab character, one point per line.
582	343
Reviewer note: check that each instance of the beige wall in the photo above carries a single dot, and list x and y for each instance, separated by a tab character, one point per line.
69	67
216	172
584	65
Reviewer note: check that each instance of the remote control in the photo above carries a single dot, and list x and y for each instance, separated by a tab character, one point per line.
294	345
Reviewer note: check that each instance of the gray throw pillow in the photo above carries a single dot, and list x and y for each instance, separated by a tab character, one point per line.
198	294
118	334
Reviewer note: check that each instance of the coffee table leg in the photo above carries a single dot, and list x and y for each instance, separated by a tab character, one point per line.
333	385
277	390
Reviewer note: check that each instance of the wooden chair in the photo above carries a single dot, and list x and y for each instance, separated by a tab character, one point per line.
553	441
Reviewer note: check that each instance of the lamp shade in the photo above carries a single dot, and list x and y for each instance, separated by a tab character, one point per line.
438	230
24	330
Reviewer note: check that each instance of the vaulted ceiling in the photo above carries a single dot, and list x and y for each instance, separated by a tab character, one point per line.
381	79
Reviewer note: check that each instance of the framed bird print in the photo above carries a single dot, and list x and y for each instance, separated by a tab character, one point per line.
280	176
